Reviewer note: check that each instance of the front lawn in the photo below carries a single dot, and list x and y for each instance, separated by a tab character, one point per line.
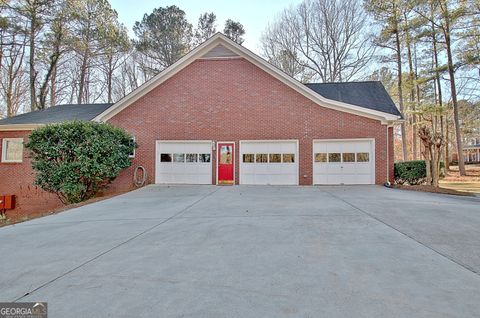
468	183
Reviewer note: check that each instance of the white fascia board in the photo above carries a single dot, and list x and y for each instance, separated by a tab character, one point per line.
19	127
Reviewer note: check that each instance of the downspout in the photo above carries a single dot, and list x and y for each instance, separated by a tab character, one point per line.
387	183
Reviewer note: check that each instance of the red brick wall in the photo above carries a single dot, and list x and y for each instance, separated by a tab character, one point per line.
220	100
232	100
17	179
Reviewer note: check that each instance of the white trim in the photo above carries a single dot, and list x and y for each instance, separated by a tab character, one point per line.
219	38
4	149
373	152
234	157
297	159
345	139
19	127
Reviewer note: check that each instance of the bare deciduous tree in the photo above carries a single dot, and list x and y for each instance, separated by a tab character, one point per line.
326	37
14	84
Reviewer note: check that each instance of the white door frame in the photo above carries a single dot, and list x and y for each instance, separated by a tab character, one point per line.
372	162
234	157
297	160
157	155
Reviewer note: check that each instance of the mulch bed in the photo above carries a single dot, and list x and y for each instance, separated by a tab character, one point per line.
432	189
100	197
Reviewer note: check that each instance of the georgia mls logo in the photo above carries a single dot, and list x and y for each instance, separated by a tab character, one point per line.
39	309
23	310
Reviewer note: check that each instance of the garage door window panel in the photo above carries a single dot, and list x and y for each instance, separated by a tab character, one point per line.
289	158
334	157
248	158
191	157
178	157
165	157
363	157
348	157
261	158
321	157
275	158
204	157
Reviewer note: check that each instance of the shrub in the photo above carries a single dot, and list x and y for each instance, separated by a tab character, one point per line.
76	159
411	172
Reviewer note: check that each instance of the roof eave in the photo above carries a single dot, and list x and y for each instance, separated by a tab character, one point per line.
19	127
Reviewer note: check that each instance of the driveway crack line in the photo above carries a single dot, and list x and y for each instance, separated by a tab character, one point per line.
118	245
470	269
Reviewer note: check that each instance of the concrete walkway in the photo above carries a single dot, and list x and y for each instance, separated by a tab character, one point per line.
205	251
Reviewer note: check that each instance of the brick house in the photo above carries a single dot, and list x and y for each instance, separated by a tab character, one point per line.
223	115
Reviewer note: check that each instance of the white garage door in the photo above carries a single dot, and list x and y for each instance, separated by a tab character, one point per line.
188	162
344	162
269	162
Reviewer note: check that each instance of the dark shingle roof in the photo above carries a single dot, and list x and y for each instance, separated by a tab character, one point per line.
370	94
58	114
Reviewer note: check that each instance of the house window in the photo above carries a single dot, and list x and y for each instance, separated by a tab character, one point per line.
275	157
225	155
132	143
12	150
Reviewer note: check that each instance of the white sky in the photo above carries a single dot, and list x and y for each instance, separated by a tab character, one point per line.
254	15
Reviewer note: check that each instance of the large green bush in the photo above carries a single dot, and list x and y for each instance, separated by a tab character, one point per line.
76	159
411	172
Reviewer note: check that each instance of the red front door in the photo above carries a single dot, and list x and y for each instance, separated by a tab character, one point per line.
226	161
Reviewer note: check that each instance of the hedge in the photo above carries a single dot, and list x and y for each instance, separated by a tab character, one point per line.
413	172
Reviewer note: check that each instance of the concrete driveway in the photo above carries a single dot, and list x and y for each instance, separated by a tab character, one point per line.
205	251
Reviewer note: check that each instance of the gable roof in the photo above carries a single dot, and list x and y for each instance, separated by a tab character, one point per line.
368	94
202	51
55	114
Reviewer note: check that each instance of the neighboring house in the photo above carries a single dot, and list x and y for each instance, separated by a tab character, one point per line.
223	115
471	151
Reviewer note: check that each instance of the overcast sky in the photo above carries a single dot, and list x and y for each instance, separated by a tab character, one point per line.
253	14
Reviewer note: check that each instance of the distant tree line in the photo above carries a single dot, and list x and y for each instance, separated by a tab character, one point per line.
426	52
76	51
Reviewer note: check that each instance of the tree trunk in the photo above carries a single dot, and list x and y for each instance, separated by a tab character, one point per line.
33	74
439	100
411	77
44	88
456	119
400	90
53	87
110	79
83	75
